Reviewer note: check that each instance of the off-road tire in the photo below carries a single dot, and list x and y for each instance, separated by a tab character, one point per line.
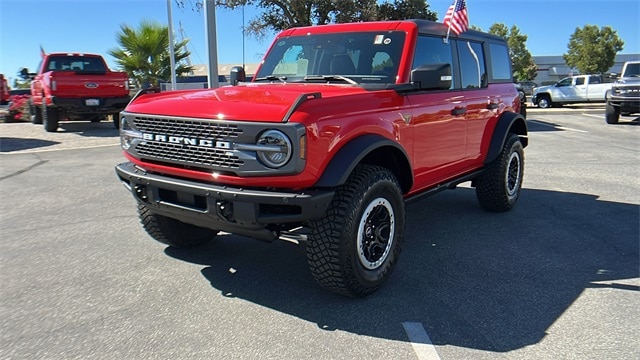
611	114
498	187
36	114
173	232
544	102
354	247
50	118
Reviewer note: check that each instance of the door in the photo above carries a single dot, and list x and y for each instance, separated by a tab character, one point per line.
438	119
481	103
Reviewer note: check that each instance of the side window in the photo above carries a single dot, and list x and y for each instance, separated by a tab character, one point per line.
564	82
472	66
500	60
431	50
579	81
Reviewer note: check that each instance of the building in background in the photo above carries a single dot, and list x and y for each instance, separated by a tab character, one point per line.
551	69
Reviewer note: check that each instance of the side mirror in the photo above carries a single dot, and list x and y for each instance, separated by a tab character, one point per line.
432	76
237	75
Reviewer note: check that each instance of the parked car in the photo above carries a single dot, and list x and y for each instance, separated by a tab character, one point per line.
76	86
340	125
4	90
624	97
528	86
572	90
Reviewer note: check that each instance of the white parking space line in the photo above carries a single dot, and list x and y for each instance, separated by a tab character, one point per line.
556	126
594	116
420	341
57	149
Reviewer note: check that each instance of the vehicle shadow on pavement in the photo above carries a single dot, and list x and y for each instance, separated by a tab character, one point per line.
9	144
89	129
534	125
474	279
628	121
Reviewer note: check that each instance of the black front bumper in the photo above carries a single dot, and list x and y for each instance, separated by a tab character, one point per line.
246	212
626	104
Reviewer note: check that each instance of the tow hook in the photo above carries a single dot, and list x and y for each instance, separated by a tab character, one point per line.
224	210
141	192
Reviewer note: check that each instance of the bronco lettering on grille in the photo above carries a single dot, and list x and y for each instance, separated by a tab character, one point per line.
186	141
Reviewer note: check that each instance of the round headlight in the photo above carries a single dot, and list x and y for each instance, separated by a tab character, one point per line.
277	148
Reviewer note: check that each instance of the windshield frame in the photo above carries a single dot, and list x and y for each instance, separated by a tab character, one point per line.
375	58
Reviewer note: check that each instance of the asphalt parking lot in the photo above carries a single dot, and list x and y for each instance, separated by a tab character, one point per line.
555	278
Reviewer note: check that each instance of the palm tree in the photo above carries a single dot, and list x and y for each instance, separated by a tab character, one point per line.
144	53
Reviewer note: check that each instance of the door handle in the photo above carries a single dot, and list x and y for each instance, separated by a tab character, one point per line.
492	106
459	111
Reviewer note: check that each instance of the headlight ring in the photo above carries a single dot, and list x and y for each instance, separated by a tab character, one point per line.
277	148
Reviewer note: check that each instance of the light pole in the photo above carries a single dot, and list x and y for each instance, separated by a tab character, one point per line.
172	55
212	45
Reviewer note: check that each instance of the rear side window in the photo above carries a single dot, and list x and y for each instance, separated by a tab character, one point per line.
500	62
472	66
432	50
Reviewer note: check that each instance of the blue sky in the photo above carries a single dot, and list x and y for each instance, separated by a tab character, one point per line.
91	25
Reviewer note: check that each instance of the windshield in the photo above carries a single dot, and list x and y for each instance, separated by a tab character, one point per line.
354	57
632	69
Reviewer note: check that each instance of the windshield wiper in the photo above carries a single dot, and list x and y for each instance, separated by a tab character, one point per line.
330	78
272	78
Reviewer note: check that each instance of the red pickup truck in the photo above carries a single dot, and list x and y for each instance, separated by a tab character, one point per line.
76	86
339	127
4	90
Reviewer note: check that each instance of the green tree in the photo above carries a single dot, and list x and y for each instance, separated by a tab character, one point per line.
593	50
279	15
21	84
524	68
144	53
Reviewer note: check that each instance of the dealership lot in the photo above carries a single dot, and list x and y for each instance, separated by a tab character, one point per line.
557	277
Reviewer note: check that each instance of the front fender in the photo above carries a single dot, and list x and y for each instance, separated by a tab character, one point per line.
508	123
364	149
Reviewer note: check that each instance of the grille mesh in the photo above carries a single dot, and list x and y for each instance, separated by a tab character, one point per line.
187	128
188	154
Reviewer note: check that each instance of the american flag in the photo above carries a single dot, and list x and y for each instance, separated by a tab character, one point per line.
456	17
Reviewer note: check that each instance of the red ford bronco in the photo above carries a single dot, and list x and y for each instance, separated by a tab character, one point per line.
76	87
339	127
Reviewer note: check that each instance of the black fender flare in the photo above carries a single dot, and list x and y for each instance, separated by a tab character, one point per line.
508	122
354	152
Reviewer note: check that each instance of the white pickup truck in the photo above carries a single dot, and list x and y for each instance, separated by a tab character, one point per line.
571	90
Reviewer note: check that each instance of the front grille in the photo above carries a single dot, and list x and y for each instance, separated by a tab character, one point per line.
225	147
187	128
188	154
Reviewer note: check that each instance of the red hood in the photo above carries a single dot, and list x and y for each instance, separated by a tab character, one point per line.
250	102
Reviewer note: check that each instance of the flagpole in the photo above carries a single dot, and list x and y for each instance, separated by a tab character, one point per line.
455	5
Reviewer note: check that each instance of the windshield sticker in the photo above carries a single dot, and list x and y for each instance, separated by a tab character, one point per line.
378	40
387	41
